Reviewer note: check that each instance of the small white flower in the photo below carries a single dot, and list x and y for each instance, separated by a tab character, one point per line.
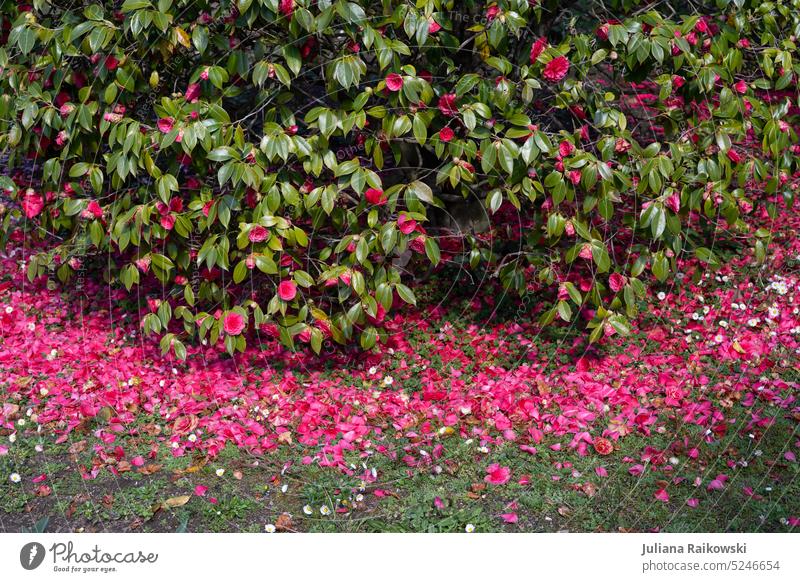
15	478
388	381
12	438
175	445
308	510
661	296
284	488
325	510
718	338
372	371
220	472
21	422
723	324
269	528
359	497
192	438
9	309
469	528
773	312
161	383
31	327
39	448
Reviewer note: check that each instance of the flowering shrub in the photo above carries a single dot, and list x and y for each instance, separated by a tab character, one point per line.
292	167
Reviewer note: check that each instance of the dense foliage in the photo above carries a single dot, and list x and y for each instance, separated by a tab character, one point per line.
293	167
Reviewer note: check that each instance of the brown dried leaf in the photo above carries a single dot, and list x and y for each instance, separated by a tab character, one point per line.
77	447
177	501
150	469
284	522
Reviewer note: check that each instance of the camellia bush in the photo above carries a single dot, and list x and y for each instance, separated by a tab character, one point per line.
295	167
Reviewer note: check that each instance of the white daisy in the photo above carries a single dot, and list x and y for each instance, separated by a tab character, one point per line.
308	510
325	510
469	528
15	478
269	528
220	472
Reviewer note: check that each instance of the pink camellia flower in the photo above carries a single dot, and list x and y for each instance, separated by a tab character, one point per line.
603	446
66	109
735	156
492	12
61	138
287	290
673	202
575	177
662	495
509	517
168	221
446	134
405	224
616	282
565	148
192	92
234	323
375	196
165	124
693	502
286	8
741	87
93	209
537	48
258	234
556	69
497	475
433	26
32	203
200	490
447	104
111	62
394	82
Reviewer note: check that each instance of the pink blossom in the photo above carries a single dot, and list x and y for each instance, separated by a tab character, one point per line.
287	290
556	69
234	323
497	475
394	82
